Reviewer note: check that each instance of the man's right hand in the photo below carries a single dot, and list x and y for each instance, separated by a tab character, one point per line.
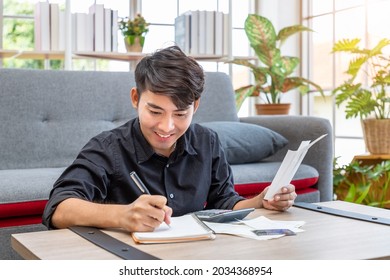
145	214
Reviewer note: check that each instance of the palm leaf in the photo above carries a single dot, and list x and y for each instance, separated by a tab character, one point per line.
243	62
286	32
241	94
360	104
262	37
377	50
355	65
268	56
346	45
260	31
289	63
261	74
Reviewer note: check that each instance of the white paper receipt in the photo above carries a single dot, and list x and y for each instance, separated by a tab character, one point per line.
289	167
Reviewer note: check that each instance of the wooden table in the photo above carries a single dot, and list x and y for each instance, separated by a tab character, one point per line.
326	237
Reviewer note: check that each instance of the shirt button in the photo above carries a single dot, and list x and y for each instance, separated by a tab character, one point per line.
171	195
167	165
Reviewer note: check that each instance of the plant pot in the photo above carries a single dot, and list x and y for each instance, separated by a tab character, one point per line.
273	109
134	43
376	133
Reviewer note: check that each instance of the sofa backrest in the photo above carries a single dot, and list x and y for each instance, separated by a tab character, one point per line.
47	116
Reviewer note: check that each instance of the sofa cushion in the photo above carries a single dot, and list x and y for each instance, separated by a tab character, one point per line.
245	143
251	179
20	185
24	193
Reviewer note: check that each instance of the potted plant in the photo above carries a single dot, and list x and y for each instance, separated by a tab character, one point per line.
368	100
274	75
134	32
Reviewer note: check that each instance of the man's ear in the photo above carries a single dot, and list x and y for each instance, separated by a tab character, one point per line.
134	97
196	105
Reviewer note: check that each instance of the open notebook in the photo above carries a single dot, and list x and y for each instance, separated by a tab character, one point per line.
182	229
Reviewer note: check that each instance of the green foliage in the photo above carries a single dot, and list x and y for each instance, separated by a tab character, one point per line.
363	184
364	101
136	27
272	77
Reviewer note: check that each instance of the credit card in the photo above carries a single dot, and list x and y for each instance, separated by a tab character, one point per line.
261	232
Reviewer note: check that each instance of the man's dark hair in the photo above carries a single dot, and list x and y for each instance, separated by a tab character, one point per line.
172	73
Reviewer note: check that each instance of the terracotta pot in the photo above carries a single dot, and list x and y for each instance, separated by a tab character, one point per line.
134	43
273	109
376	133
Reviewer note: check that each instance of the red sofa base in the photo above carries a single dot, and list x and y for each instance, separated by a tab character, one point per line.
21	213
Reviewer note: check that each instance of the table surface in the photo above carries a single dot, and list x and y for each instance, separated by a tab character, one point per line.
325	237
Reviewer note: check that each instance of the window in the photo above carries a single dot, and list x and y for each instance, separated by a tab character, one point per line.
333	20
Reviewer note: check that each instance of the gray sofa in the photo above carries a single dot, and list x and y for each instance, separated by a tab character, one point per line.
47	116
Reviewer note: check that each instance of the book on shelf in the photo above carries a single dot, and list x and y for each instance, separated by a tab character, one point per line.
61	28
194	33
209	32
42	26
114	31
90	33
54	26
107	30
185	228
218	34
182	32
226	33
81	32
202	32
97	10
73	31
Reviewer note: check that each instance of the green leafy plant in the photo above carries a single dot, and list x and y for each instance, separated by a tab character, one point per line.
274	75
370	64
363	184
131	28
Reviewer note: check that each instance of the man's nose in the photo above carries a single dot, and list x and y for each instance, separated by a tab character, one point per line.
167	124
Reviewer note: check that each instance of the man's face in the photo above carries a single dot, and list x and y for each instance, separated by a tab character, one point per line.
161	122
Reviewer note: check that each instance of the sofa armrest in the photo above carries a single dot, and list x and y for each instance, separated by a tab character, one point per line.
299	128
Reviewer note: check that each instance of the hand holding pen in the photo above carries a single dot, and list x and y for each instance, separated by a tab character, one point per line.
157	202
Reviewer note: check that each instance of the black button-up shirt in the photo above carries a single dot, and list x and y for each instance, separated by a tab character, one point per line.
195	176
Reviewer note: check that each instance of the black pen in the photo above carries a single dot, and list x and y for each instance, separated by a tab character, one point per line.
140	185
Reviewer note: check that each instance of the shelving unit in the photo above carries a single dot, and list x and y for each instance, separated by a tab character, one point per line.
119	56
32	54
68	55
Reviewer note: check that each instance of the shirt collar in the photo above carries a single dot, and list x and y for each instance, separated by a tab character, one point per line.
144	151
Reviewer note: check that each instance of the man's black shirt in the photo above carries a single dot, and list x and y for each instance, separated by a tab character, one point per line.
195	176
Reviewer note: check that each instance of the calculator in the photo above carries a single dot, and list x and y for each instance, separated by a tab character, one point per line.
223	215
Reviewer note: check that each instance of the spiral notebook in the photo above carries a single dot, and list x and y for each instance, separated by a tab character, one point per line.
182	229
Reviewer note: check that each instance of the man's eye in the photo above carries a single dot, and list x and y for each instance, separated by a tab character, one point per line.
181	115
155	112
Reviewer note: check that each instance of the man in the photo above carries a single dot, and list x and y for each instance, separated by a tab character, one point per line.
182	165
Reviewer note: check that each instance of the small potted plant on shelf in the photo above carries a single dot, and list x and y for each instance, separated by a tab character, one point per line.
366	93
134	31
274	75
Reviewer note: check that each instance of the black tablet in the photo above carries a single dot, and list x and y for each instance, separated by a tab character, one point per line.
223	215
